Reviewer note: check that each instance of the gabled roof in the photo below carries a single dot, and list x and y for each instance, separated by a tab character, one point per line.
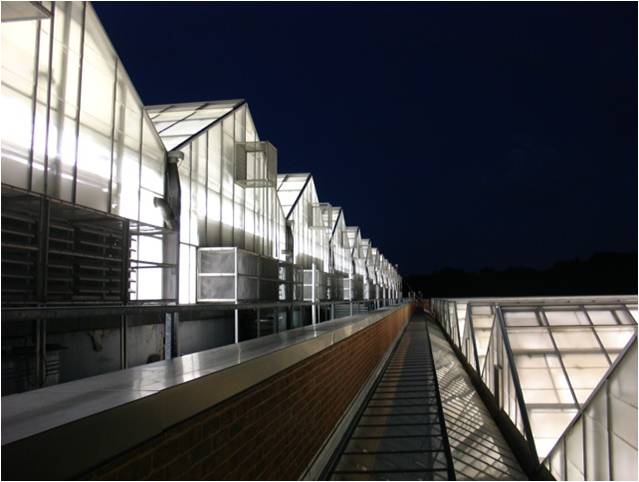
337	214
365	246
289	190
354	237
178	123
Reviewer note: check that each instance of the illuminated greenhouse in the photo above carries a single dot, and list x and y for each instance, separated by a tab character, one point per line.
564	370
174	307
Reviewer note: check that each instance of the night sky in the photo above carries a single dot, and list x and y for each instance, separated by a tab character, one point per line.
456	135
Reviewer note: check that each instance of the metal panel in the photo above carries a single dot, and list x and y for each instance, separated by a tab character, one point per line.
232	275
255	164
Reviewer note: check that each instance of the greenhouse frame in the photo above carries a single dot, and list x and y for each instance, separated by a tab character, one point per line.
120	198
563	369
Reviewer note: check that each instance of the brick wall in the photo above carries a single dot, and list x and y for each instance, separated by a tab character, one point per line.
271	431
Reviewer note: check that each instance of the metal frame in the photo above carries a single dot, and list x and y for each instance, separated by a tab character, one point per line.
602	385
239	103
217	379
539	306
514	374
165	314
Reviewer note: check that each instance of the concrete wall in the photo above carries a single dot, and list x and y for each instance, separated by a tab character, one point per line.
199	335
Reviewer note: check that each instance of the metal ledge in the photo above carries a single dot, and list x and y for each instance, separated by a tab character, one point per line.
76	426
54	312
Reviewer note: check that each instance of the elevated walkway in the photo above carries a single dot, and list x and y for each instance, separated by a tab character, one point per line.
423	420
399	433
478	448
375	396
255	410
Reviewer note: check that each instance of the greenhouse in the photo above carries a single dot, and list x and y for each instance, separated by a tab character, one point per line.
165	287
563	369
108	202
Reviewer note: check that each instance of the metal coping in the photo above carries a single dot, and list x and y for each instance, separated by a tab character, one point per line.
128	407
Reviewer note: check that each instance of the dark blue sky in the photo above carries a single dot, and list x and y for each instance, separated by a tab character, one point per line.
461	135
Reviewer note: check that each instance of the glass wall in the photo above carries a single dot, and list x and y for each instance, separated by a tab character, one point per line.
373	269
74	129
543	358
354	237
339	245
383	270
73	126
364	258
216	211
179	123
298	196
601	442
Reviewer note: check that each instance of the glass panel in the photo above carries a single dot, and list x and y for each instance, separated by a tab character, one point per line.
184	294
624	459
192	274
623	385
198	206
575	338
614	338
542	379
91	138
625	317
575	452
184	171
18	77
65	83
149	283
633	311
96	118
548	425
597	438
40	124
152	160
126	152
149	213
623	411
481	310
602	317
585	371
521	318
526	339
566	317
624	414
557	462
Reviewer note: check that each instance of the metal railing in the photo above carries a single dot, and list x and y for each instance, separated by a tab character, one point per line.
173	324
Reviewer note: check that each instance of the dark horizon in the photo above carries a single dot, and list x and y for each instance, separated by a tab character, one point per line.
461	135
599	274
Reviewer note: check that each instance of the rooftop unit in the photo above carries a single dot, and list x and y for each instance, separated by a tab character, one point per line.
233	275
317	219
315	285
255	164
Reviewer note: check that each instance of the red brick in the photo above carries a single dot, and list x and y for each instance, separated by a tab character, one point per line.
270	431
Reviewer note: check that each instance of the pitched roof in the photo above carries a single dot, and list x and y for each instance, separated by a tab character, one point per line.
178	123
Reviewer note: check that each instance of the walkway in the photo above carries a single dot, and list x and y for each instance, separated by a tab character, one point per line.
399	432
